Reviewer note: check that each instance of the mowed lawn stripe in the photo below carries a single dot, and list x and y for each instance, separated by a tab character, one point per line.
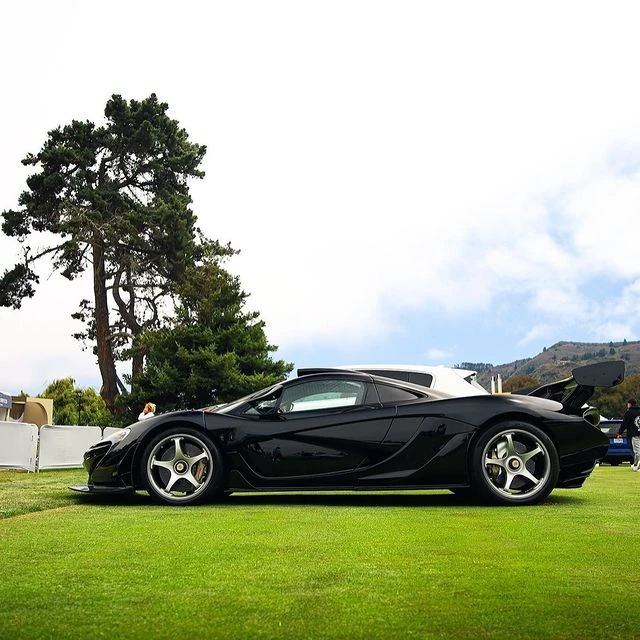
345	565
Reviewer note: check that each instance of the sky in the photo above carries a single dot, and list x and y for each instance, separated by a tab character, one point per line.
407	182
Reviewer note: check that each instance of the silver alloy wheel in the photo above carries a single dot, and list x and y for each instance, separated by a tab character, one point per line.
179	467
516	464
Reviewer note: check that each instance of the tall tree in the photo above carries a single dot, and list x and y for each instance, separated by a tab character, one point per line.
116	199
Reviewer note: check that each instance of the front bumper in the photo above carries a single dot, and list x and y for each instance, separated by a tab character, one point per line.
108	466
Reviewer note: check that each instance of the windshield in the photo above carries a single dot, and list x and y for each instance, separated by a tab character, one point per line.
226	408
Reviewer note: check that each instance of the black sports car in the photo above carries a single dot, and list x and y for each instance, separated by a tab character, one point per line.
349	430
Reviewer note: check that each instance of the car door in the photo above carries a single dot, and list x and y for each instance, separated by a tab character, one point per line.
317	432
418	434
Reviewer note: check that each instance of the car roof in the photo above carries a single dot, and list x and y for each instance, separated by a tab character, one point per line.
455	382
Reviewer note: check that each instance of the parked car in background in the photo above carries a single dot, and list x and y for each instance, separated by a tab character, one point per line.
619	447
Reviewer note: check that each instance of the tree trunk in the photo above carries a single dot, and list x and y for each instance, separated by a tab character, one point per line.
137	364
106	363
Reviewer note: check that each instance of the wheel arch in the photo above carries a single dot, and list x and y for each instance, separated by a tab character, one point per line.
178	423
510	416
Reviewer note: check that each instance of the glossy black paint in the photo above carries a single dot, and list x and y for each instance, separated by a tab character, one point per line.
424	442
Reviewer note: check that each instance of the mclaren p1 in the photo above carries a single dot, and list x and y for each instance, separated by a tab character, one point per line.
348	430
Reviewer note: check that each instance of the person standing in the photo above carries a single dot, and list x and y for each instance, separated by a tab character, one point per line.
631	424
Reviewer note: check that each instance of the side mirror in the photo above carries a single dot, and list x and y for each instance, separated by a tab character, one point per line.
265	407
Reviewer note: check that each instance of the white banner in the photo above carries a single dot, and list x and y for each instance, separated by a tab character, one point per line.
63	446
18	445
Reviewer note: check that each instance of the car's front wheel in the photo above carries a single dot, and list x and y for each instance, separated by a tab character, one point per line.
514	463
181	466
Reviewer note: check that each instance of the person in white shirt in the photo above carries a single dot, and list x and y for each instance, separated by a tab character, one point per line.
148	411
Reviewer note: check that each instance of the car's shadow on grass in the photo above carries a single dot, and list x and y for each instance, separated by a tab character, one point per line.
338	499
391	499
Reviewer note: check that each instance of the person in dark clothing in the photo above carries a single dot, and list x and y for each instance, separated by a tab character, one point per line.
631	424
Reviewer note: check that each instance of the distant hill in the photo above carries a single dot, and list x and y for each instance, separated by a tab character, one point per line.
557	361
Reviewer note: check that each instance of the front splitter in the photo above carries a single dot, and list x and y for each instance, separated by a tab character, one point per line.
84	488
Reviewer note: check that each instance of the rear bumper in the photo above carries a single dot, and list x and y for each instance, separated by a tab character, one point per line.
573	477
577	467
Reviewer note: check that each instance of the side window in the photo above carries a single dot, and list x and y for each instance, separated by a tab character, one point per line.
389	394
322	394
395	375
423	379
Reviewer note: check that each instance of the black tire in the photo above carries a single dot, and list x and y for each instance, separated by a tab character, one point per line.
182	466
514	463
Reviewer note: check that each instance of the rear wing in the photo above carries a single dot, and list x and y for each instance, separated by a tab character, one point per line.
575	391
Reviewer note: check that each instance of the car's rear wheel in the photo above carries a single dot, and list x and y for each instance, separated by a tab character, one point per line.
182	466
514	463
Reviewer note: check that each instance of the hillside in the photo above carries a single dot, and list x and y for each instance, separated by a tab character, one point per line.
557	361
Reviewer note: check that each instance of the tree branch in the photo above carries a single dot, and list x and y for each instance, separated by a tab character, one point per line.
129	318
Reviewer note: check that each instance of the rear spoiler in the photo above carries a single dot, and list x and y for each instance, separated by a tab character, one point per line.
574	392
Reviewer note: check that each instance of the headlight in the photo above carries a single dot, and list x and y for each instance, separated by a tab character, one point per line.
118	436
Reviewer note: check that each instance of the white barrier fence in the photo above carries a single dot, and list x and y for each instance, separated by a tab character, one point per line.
62	446
18	445
25	446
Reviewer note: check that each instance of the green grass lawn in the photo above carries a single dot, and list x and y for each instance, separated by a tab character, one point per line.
343	565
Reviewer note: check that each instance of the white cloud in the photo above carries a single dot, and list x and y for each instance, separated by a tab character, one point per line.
37	345
371	159
614	331
603	213
535	333
438	355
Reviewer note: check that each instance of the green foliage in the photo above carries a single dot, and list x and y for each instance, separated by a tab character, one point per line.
215	351
593	355
123	184
516	383
612	402
72	405
116	201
